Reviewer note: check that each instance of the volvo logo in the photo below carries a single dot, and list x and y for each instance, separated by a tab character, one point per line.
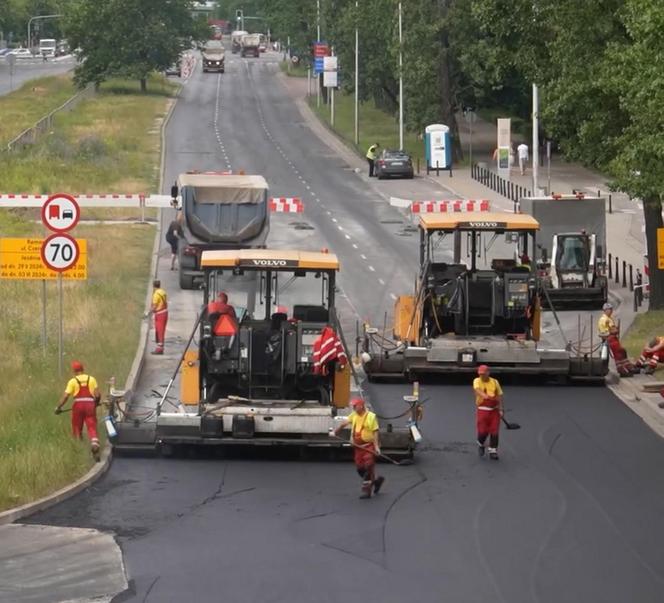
272	263
486	225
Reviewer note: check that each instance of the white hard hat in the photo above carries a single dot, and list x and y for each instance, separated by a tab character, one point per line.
607	306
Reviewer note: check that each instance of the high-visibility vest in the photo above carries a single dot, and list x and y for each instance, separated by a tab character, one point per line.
371	153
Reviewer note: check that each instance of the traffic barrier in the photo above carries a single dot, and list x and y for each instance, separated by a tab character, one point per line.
84	200
286	205
456	205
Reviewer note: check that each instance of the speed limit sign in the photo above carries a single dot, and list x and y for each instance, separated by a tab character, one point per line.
59	252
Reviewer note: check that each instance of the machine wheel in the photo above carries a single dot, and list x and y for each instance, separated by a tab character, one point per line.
186	281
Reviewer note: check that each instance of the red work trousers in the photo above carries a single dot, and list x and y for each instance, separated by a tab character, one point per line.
84	412
488	422
160	320
365	459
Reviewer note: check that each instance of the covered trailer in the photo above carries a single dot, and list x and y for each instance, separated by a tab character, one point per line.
571	249
219	211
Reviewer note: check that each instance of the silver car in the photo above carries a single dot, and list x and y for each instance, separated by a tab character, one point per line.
394	163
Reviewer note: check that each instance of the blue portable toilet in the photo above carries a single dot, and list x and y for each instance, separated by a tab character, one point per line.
438	147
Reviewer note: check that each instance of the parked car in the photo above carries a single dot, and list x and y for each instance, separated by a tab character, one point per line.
4	51
22	53
174	69
394	163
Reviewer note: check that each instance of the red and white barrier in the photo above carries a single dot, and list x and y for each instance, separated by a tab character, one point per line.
286	205
104	200
458	205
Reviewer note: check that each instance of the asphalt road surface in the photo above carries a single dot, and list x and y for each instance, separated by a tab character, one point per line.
572	511
30	69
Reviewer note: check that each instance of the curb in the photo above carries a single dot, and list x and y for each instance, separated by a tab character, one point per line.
95	472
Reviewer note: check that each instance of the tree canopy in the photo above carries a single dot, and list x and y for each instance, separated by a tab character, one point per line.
131	38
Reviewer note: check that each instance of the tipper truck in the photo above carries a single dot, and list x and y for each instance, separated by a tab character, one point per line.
219	211
250	45
213	56
571	250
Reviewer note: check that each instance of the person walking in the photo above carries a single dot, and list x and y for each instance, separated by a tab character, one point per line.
522	151
173	236
489	409
372	155
160	311
85	392
366	445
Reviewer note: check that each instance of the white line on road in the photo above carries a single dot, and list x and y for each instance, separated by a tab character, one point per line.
381	281
364	257
372	269
394	297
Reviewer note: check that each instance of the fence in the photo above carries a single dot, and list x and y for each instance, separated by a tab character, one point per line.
32	134
497	183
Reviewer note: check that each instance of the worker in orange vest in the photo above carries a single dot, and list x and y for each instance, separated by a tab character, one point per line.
85	391
160	311
220	307
366	445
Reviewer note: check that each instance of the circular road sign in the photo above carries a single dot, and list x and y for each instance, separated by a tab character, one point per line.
295	59
59	252
60	213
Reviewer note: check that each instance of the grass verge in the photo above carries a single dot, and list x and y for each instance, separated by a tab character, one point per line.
295	70
32	101
109	143
375	126
643	329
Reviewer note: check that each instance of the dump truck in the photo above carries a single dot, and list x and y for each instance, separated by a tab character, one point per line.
571	250
236	40
218	211
253	373
213	55
250	45
484	311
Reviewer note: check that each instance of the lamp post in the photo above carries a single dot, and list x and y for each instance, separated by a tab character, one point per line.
535	140
357	77
400	79
36	19
318	40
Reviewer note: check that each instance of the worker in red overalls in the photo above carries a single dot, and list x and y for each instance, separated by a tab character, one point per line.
489	408
366	445
160	311
85	391
220	307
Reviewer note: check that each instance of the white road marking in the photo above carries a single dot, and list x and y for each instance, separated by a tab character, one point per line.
381	281
372	269
354	245
394	297
364	257
348	237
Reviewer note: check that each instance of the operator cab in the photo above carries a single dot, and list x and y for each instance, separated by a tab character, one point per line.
486	285
283	300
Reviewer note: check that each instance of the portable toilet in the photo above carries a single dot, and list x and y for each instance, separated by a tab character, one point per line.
438	147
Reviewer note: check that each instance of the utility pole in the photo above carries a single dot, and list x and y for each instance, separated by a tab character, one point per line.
357	77
535	140
36	19
318	40
400	80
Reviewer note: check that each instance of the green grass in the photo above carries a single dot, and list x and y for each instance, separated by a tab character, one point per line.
109	143
375	126
295	70
35	99
643	329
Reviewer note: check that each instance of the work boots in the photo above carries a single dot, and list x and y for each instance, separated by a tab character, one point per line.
493	454
95	449
378	484
366	489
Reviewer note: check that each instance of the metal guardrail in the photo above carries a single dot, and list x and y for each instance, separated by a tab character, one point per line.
497	183
32	134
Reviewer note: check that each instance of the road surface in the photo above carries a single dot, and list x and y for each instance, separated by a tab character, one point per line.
30	69
572	511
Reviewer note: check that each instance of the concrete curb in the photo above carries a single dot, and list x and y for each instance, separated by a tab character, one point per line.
100	468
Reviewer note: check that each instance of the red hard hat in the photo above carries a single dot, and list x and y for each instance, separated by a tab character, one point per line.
76	365
357	402
482	369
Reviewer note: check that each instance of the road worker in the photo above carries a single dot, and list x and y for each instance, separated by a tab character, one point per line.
489	408
651	356
609	332
372	155
159	310
85	391
173	236
366	445
219	308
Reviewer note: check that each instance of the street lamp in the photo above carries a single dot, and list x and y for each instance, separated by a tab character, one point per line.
400	80
37	18
357	76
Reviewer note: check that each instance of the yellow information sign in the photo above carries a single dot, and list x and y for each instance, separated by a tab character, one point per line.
660	248
21	259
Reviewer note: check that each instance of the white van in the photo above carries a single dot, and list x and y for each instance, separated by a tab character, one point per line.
47	47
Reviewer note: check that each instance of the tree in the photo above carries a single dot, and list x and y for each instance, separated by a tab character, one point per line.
130	38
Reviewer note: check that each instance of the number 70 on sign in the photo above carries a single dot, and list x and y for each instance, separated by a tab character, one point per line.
60	252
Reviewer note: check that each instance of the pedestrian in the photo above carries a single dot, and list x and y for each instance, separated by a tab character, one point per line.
489	409
366	445
522	151
651	355
173	236
85	392
609	332
372	155
160	311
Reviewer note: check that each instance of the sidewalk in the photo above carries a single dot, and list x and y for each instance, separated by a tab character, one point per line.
625	231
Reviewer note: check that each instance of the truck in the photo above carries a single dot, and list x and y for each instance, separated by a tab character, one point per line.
251	373
250	45
571	250
236	40
218	211
47	47
213	55
476	305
